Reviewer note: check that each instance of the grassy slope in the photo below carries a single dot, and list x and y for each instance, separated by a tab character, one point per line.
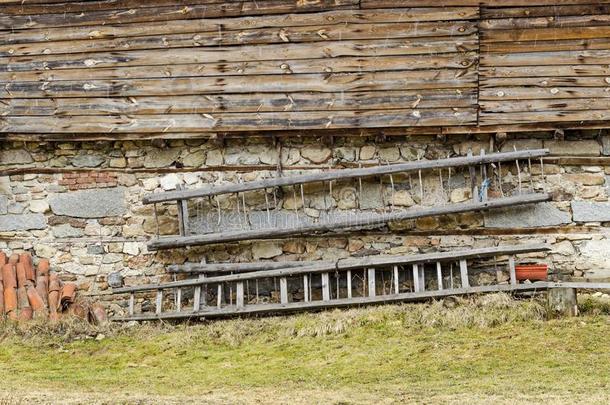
472	351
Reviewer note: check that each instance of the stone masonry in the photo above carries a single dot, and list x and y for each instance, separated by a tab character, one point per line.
79	204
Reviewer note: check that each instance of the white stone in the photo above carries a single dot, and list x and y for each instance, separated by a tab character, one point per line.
266	250
311	212
131	248
402	198
564	248
190	178
40	206
460	195
169	181
45	251
150	184
214	158
316	154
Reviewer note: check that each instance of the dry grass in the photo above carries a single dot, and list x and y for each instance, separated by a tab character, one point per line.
478	350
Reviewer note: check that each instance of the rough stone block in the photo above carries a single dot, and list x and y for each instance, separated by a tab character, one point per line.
521	144
3	204
596	253
89	203
606	145
24	222
589	211
15	157
66	231
573	148
542	214
87	160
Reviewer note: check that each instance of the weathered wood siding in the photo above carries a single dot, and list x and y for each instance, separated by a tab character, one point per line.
171	67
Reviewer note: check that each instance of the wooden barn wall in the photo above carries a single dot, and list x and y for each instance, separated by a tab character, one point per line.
172	68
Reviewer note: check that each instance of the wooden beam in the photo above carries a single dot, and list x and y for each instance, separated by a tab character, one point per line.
344	174
170	242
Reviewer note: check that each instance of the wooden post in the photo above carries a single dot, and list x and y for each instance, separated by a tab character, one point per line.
416	278
283	290
371	277
325	287
422	280
439	276
159	305
306	296
511	269
239	301
396	283
562	301
349	284
464	273
183	216
132	299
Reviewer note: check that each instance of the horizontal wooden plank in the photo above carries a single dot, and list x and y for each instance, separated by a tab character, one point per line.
565	104
544	116
545	71
595	57
222	25
529	93
174	12
544	22
544	34
546	82
315	33
332	82
546	46
247	53
556	9
251	102
25	7
483	3
240	122
347	64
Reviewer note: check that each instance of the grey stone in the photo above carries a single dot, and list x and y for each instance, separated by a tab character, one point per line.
589	211
16	208
66	231
24	222
15	157
606	145
95	250
87	160
89	203
3	204
161	157
530	216
115	280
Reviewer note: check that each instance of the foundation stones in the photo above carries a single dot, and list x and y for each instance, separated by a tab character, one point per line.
89	203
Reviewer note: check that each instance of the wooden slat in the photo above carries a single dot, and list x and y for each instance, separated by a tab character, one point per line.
251	102
544	22
536	93
439	275
289	66
464	274
546	46
565	104
416	281
336	82
246	53
159	302
240	24
348	276
283	290
544	34
396	279
315	33
239	294
511	270
594	57
371	282
584	7
174	12
325	287
545	116
483	3
544	71
545	82
240	122
306	287
132	299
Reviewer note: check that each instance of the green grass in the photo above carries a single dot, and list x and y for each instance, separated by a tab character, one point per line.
478	350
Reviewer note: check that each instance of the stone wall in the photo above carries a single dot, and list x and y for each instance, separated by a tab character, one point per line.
79	204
